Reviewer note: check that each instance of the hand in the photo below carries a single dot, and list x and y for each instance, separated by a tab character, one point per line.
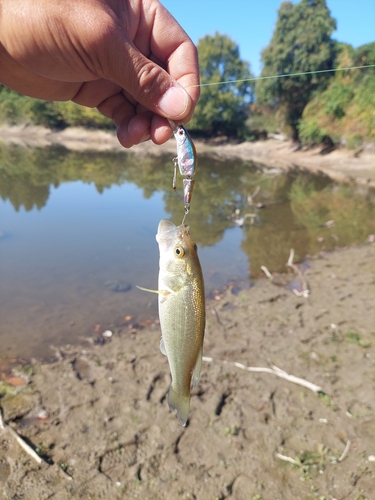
128	58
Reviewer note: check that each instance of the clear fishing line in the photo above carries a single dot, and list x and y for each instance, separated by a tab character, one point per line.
286	75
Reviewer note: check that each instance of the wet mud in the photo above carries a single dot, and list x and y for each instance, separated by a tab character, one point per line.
99	419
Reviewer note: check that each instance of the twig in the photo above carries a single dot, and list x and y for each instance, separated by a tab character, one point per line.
19	440
287	459
274	371
63	473
291	258
250	198
216	314
266	272
344	453
305	289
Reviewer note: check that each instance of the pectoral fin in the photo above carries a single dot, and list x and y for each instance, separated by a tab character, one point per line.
162	347
197	369
160	292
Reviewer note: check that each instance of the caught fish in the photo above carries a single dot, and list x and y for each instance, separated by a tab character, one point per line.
186	160
181	311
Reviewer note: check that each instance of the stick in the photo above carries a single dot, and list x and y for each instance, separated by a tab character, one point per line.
344	453
287	459
305	289
273	371
250	198
266	272
19	440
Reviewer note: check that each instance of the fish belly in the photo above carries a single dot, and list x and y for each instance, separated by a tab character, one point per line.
182	331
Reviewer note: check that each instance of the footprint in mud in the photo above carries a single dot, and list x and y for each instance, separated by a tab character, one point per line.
4	470
241	488
114	462
82	369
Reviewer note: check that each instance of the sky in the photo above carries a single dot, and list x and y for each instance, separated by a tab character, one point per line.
251	23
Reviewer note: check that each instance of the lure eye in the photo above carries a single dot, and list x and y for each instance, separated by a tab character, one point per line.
179	251
181	131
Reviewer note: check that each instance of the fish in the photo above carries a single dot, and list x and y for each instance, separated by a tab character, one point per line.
182	312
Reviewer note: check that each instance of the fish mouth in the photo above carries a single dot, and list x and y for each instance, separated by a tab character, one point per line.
165	227
167	231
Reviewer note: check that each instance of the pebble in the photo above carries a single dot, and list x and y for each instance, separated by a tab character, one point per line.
42	415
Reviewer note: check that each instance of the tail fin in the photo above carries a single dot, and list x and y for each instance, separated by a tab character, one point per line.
180	403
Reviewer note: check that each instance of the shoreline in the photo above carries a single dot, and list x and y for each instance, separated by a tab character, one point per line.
341	165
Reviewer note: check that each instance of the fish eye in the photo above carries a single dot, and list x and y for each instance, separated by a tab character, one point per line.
179	251
181	131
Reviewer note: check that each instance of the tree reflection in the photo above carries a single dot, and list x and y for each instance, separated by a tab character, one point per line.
287	211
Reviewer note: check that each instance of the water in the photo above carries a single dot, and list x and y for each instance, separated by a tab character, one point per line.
77	233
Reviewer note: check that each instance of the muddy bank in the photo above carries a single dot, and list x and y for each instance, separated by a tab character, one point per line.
343	165
100	420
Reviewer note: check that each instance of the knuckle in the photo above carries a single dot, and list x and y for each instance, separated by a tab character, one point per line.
150	79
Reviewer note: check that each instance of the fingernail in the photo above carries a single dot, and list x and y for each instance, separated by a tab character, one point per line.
146	136
174	102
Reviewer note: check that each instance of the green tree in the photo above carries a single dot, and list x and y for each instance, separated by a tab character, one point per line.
344	112
300	43
222	109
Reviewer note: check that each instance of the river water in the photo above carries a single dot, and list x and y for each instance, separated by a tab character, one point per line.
77	234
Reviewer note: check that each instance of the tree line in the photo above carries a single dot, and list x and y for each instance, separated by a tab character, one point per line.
312	107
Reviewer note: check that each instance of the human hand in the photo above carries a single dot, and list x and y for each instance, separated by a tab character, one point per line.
128	58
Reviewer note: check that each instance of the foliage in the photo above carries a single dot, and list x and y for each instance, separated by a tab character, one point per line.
301	42
16	108
222	109
262	119
345	110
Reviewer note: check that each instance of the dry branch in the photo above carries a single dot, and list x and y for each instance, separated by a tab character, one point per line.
305	289
19	440
273	371
287	459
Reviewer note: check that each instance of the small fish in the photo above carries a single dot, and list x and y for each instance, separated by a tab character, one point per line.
181	312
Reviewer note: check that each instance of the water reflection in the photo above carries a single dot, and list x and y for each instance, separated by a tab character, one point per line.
79	233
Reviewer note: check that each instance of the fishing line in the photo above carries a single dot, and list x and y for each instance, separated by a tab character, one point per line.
286	75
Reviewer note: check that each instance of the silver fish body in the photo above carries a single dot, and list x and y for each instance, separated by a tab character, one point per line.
181	312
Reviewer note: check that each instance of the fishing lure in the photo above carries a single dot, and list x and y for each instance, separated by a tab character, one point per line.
186	161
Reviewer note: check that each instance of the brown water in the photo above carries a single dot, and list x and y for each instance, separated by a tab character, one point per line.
77	233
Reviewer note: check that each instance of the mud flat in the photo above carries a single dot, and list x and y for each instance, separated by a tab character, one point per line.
98	416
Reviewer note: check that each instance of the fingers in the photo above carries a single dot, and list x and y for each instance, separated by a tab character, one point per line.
150	85
165	82
171	92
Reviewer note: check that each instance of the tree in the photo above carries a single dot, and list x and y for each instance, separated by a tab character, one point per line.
222	109
344	112
300	43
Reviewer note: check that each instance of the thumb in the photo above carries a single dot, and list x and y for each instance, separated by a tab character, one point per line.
152	87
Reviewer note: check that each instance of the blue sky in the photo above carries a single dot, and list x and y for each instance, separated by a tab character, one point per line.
251	23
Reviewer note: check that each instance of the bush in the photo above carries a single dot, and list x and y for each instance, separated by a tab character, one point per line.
310	133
